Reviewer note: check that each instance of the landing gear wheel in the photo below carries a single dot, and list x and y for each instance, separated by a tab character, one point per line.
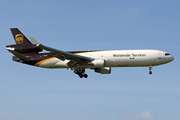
80	72
150	68
81	76
76	71
85	75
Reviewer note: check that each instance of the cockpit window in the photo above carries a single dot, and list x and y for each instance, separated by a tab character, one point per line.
166	54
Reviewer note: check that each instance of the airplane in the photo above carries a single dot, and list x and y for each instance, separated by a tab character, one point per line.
101	61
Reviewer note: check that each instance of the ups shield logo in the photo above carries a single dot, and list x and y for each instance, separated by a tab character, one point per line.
19	38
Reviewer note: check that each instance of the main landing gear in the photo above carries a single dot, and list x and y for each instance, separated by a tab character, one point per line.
150	72
80	72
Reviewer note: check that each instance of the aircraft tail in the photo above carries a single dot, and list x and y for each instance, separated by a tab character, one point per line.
23	45
19	37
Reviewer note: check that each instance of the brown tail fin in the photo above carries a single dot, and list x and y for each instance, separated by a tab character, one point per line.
19	37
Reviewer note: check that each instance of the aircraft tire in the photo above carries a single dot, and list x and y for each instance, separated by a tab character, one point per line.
76	71
85	75
81	76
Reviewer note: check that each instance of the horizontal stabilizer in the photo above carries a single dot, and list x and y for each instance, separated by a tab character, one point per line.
20	56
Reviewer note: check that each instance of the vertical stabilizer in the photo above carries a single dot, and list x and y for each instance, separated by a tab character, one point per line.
19	37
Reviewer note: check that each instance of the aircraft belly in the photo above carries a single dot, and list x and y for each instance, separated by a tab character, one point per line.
54	63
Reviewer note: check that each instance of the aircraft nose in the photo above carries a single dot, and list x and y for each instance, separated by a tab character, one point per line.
168	57
172	58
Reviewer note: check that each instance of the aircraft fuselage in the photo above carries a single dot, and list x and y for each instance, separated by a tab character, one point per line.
111	58
100	61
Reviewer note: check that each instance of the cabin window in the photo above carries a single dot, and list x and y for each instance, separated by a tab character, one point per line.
167	54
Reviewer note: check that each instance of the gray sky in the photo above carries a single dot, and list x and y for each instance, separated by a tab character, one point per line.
29	92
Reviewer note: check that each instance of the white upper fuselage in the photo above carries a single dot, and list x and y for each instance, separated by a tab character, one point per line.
117	58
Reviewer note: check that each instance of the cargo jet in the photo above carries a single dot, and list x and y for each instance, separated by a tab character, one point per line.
100	61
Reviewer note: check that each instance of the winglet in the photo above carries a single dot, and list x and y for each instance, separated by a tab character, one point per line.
33	40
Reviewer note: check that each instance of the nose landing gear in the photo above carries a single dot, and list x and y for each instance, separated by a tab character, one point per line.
80	72
150	72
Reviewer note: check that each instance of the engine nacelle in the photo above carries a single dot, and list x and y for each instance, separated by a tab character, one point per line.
103	70
98	63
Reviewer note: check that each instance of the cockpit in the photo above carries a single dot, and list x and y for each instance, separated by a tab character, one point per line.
167	54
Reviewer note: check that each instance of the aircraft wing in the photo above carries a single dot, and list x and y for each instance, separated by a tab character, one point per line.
20	56
62	55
